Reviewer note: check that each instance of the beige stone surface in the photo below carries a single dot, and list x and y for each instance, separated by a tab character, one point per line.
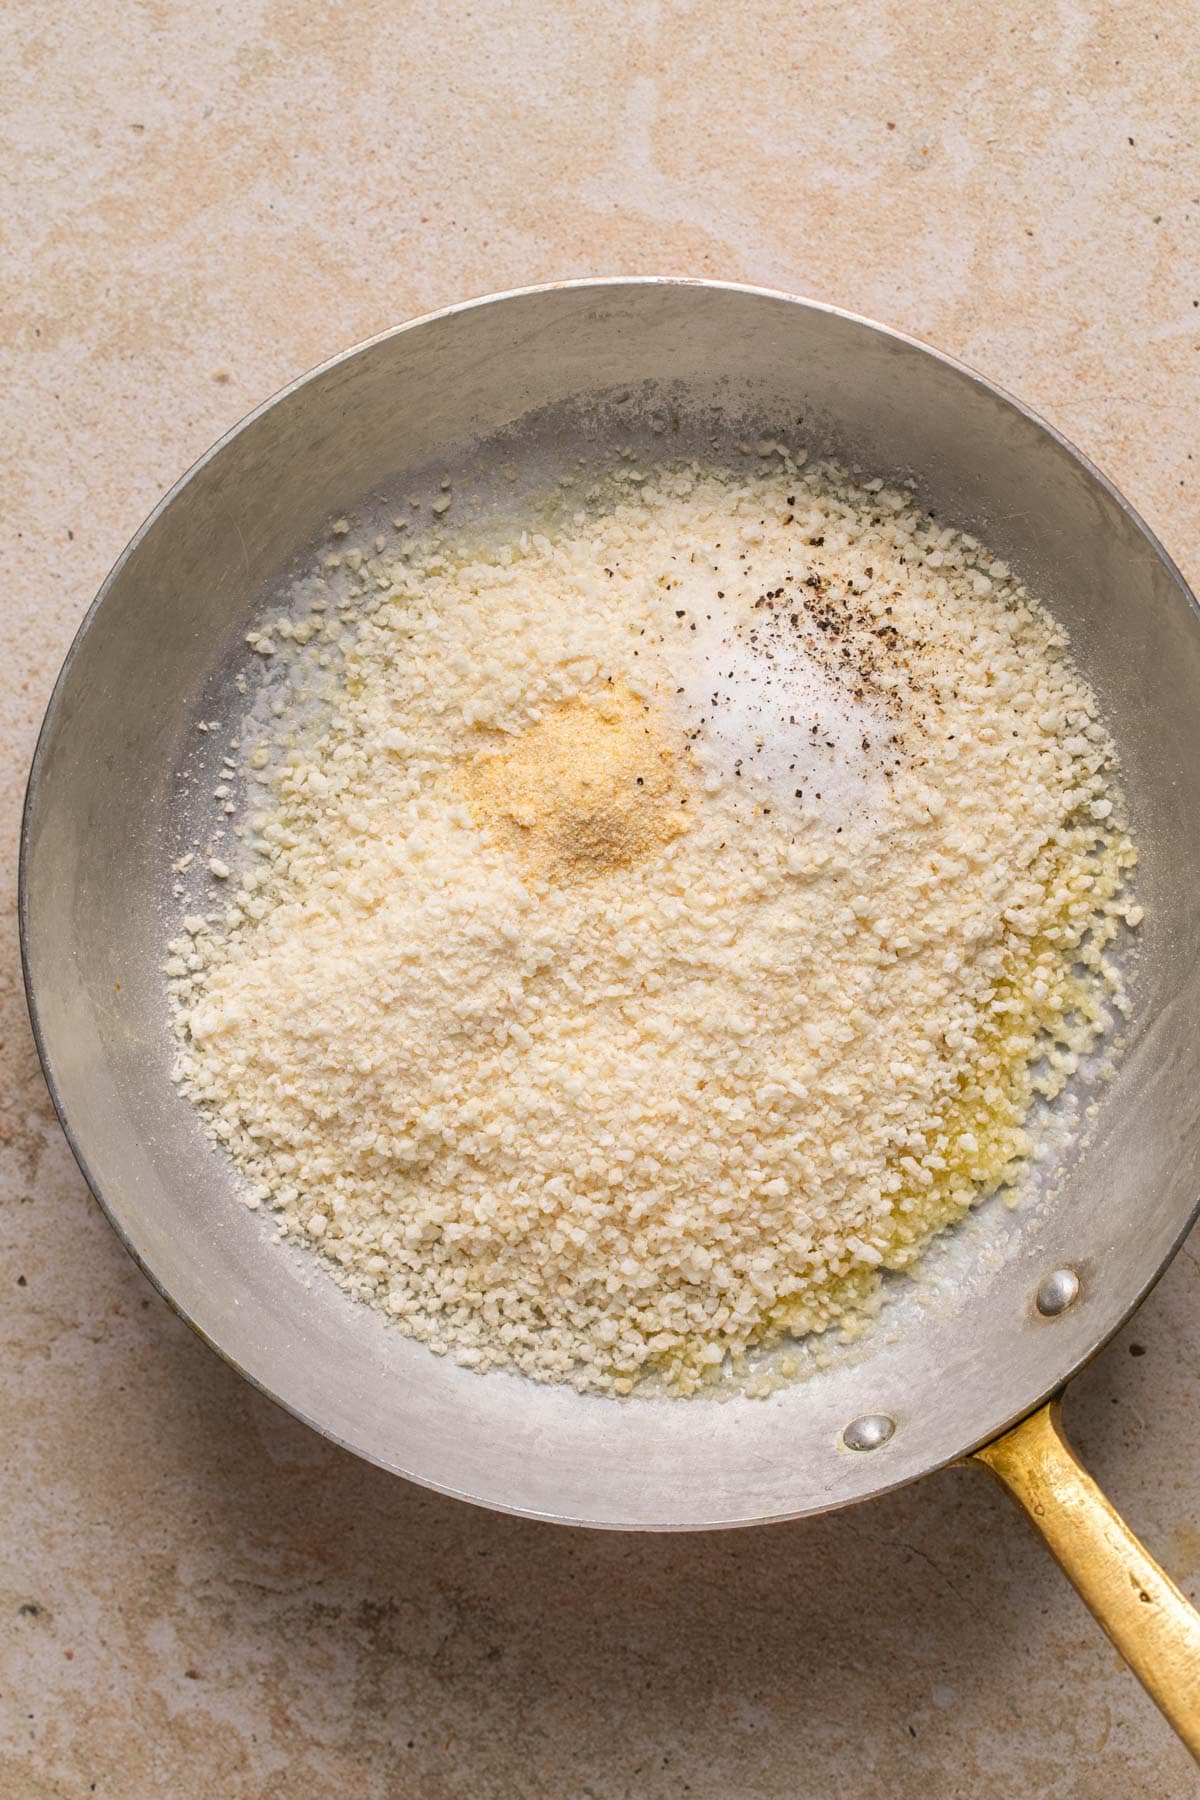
198	1597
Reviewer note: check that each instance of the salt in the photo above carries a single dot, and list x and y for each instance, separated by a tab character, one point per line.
769	715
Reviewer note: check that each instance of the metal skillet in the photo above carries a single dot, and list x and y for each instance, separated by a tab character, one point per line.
966	1363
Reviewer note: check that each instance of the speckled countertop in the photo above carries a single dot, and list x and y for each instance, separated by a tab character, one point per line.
198	1597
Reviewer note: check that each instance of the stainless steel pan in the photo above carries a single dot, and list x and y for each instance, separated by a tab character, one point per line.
1018	1301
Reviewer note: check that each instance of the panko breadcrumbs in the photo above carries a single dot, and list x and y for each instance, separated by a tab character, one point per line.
669	926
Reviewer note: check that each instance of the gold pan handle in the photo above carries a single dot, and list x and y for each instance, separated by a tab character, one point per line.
1153	1626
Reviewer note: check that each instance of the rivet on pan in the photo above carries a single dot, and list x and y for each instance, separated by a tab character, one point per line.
868	1432
1057	1291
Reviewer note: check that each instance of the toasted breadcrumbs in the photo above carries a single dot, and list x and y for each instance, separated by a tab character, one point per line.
669	926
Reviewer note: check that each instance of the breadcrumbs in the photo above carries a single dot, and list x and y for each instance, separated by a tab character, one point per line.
668	928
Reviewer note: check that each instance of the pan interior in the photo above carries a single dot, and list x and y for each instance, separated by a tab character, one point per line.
538	381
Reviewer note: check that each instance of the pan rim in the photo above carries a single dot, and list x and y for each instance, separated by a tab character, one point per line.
49	724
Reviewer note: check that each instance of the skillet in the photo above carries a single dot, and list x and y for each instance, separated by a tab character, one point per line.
967	1362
